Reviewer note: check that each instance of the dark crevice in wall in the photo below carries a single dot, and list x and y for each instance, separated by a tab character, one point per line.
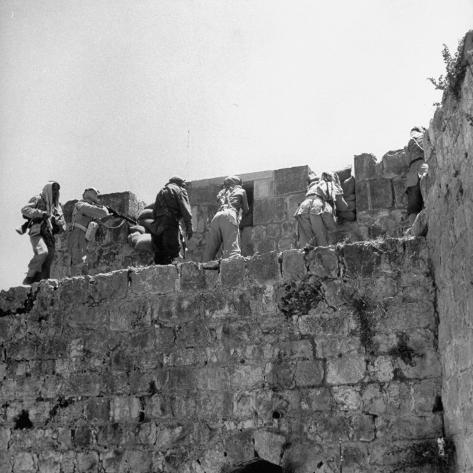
22	421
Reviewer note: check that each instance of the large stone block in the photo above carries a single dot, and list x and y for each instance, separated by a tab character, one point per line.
365	167
323	262
291	180
395	163
346	369
269	445
192	276
263	188
309	373
361	259
374	194
293	264
264	268
269	210
153	279
232	271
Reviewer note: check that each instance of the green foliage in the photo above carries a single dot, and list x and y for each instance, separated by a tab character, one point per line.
454	71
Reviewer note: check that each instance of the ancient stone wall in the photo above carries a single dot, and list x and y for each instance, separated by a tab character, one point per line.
178	369
449	188
381	199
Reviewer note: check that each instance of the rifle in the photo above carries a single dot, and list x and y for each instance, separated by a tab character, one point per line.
114	213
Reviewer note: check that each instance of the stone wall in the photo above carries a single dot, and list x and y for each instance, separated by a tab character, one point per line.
449	154
181	369
381	200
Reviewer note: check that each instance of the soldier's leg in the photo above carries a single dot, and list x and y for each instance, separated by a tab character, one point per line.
77	249
230	235
46	267
169	245
304	228
41	251
214	239
319	230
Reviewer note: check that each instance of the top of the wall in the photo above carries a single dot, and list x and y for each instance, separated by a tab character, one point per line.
361	259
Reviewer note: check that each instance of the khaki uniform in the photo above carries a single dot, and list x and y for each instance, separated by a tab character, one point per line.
42	231
84	212
315	215
224	228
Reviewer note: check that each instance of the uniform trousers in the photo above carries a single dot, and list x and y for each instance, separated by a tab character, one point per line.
77	246
223	232
314	228
40	264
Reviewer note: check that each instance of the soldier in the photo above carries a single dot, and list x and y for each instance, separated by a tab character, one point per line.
83	225
171	205
224	228
45	221
315	216
417	169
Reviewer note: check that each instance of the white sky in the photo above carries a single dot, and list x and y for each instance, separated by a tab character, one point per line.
121	94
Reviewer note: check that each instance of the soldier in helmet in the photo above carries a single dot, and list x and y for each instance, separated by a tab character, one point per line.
84	215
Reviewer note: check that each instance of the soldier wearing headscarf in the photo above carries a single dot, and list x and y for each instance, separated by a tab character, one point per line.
85	212
45	221
224	228
315	216
171	206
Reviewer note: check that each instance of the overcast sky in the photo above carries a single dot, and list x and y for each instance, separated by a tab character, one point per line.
121	94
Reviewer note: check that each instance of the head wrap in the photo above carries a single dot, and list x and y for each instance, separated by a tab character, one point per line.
178	181
232	181
47	195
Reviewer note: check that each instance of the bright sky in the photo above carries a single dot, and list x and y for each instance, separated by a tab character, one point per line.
121	94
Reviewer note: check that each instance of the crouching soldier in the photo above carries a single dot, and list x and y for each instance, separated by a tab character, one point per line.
315	216
45	220
224	228
171	206
83	226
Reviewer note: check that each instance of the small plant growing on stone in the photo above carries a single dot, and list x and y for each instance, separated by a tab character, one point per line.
298	297
455	71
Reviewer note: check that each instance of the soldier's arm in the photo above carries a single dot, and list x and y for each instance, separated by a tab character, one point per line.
30	210
185	208
93	211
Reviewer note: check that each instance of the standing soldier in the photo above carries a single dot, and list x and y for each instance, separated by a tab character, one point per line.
84	215
171	205
45	221
417	169
224	228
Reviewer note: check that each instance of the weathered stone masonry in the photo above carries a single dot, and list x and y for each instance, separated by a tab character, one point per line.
179	369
